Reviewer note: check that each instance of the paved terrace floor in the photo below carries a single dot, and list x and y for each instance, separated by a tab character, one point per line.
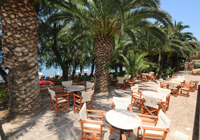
47	126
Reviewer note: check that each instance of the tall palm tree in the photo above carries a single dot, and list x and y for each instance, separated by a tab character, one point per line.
105	19
19	44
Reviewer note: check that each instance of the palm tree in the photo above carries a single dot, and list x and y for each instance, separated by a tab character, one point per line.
135	63
19	44
107	18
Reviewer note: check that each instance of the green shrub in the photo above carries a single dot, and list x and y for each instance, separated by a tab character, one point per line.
58	81
3	93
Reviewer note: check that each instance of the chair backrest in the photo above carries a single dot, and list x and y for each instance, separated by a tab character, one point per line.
163	91
163	120
193	83
89	84
121	103
67	83
134	88
151	101
87	95
151	73
127	76
52	93
120	80
111	75
144	75
173	84
82	112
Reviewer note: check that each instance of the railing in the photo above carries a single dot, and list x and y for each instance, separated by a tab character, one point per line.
196	130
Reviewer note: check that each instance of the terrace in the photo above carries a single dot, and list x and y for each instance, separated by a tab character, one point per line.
46	125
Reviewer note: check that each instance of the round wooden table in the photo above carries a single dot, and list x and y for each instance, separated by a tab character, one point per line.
123	119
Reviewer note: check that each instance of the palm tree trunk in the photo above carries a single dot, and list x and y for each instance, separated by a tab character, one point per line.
92	68
19	44
103	49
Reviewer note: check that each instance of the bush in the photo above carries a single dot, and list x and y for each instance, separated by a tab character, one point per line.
119	73
58	81
4	94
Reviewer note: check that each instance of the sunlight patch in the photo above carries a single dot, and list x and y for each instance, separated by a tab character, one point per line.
180	136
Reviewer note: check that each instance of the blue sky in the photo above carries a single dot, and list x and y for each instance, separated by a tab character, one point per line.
187	11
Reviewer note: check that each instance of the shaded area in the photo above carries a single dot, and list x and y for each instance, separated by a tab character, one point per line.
196	130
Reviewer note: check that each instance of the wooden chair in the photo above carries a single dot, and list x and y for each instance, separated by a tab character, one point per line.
153	78
87	97
163	84
89	86
194	72
151	105
113	80
61	100
94	136
130	81
166	99
194	85
159	131
190	72
90	126
120	103
144	77
121	82
66	84
123	137
136	96
139	76
174	86
185	90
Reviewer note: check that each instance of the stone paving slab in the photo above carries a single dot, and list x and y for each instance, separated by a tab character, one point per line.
47	126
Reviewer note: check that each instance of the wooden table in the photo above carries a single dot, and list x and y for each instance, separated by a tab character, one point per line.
123	119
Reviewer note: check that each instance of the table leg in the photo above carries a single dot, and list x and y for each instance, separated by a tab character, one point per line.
121	132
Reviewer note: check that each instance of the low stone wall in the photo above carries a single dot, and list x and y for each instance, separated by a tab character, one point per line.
196	130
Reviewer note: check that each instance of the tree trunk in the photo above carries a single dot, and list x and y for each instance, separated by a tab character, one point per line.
103	49
3	74
74	70
92	68
65	72
150	58
115	69
120	68
19	44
